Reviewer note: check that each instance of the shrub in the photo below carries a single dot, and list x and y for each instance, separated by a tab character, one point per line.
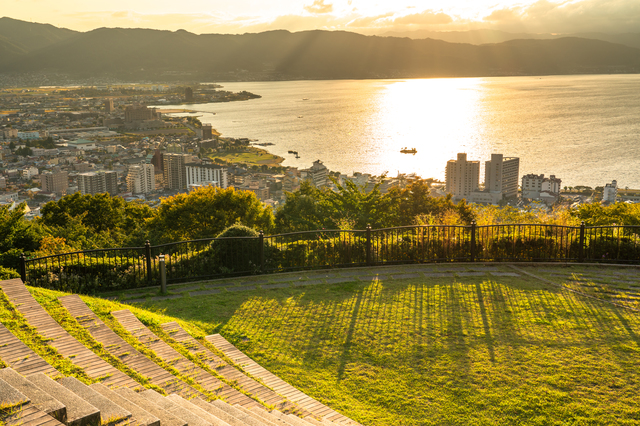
7	273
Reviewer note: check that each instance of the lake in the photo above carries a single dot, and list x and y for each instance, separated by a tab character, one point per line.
583	129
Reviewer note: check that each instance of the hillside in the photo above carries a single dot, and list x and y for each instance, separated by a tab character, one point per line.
409	345
143	53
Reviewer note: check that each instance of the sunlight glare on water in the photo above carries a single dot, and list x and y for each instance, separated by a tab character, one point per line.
583	129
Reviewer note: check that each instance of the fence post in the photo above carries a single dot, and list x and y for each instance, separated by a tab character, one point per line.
473	241
23	267
163	274
581	252
147	250
261	250
369	263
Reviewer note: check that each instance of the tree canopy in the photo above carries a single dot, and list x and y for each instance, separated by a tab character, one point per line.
206	212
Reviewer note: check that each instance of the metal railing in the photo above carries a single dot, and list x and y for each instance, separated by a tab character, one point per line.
131	267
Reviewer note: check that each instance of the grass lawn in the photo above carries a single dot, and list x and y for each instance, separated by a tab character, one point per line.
254	156
464	350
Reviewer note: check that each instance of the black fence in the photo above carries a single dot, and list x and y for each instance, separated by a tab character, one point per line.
120	268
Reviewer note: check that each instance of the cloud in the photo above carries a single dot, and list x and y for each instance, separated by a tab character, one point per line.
319	7
609	16
371	21
427	17
542	16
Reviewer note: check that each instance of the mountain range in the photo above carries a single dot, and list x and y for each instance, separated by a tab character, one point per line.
281	55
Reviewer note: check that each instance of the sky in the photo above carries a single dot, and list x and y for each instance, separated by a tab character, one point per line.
362	16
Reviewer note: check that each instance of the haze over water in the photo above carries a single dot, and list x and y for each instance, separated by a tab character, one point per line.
583	129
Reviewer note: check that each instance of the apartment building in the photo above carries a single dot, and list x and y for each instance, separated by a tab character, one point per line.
462	176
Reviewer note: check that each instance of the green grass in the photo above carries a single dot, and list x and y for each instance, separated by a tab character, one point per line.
253	156
439	351
466	350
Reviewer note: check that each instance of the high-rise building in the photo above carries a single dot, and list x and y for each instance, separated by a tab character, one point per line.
188	94
55	182
108	106
316	174
610	192
501	174
141	179
198	174
462	177
175	172
207	131
157	161
98	182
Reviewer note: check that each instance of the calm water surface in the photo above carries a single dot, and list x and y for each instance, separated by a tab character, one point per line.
583	129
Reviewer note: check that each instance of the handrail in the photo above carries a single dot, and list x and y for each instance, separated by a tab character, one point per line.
125	267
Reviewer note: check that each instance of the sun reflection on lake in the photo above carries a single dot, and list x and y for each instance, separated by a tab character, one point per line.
435	116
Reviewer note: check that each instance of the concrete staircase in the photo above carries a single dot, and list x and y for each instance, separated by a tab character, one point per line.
33	393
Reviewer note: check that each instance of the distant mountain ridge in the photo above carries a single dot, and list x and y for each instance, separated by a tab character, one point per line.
497	36
281	55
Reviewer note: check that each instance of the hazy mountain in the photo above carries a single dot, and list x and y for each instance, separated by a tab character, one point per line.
148	54
30	36
496	36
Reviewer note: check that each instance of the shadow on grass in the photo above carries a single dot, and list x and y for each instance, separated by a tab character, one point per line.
423	351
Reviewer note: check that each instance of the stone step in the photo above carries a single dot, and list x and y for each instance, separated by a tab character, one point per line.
248	365
313	421
79	412
139	416
219	413
261	415
27	415
11	397
235	412
225	370
59	338
20	357
215	421
287	419
110	412
39	398
172	407
117	346
185	366
166	418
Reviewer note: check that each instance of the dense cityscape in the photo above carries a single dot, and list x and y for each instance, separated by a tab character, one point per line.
106	139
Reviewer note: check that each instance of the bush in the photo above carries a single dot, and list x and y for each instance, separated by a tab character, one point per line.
237	249
7	273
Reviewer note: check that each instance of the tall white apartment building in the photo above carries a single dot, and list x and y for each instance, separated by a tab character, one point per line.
141	179
610	192
462	176
501	174
203	174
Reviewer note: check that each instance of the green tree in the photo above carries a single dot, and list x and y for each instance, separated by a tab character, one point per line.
414	202
206	212
17	235
302	210
351	204
595	214
24	151
90	221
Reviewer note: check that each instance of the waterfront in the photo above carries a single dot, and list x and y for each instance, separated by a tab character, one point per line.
584	129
